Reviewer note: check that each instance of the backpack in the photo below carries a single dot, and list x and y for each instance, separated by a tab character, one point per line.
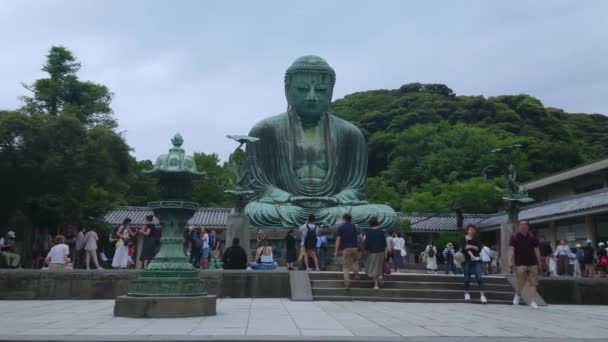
431	253
603	262
310	241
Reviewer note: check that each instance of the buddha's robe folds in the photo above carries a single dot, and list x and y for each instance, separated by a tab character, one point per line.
287	162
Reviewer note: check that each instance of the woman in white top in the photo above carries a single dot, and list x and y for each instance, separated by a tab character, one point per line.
563	256
398	251
58	256
265	258
121	255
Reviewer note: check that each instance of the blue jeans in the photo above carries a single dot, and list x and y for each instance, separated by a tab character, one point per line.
449	267
264	266
469	267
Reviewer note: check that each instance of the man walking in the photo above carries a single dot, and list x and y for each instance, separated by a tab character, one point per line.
347	240
524	260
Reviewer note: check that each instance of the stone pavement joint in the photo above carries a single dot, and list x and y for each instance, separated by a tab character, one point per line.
282	319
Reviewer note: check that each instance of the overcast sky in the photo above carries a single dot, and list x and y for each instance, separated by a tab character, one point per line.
207	69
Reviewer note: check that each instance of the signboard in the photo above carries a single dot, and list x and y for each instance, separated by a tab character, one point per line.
570	236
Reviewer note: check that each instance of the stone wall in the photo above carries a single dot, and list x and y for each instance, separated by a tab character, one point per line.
574	291
108	284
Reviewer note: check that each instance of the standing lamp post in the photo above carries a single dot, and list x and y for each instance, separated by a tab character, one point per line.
170	287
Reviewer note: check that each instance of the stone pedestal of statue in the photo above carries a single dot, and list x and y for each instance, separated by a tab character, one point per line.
506	231
238	225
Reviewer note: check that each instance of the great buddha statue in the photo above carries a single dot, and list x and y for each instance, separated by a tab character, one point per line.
308	161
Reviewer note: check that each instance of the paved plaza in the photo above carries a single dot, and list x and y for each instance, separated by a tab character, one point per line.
282	318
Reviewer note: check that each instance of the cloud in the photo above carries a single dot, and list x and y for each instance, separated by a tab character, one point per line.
209	69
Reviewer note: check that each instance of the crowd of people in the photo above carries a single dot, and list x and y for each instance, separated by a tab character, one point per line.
577	261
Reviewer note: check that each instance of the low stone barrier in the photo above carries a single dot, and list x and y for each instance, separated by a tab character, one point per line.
109	284
587	291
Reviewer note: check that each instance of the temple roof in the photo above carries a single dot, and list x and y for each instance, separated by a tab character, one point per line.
217	218
576	205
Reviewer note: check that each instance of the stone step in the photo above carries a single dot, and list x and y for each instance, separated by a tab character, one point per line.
389	284
390	294
406	300
410	277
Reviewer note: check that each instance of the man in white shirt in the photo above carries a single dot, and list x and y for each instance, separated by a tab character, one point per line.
7	248
58	256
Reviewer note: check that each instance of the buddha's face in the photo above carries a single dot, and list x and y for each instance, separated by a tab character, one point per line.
309	94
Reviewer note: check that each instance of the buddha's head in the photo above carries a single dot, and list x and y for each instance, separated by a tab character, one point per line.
309	86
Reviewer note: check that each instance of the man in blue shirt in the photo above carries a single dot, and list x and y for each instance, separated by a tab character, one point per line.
347	241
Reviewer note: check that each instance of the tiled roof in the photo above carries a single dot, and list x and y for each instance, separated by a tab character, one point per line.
217	217
211	217
429	222
545	211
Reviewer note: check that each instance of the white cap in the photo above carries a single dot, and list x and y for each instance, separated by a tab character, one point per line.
600	244
11	234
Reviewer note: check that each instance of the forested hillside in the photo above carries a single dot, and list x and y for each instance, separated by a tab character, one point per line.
428	146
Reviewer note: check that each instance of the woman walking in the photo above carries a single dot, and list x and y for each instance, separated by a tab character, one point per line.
149	244
291	254
472	263
90	248
398	251
431	258
375	245
121	255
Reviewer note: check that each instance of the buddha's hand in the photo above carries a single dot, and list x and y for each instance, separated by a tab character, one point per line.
354	202
312	201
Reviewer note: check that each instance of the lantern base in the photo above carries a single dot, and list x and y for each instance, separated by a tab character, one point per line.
164	307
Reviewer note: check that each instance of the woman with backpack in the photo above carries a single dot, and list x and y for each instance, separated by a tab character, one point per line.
431	258
309	242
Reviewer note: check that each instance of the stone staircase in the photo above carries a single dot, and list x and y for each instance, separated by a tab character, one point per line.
404	287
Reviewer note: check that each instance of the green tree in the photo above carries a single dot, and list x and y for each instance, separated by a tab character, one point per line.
63	92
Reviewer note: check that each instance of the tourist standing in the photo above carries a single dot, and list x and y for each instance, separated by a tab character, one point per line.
347	242
486	259
563	256
321	248
494	264
205	248
589	259
149	244
8	249
431	257
260	237
196	246
121	254
546	253
579	264
471	248
234	257
90	248
375	245
309	231
602	260
448	257
524	259
398	251
291	254
389	246
79	253
59	255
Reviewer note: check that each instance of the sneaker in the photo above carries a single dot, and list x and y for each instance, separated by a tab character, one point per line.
483	299
533	305
467	296
317	270
376	287
516	300
381	280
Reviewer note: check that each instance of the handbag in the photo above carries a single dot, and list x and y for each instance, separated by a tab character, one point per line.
403	253
459	258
